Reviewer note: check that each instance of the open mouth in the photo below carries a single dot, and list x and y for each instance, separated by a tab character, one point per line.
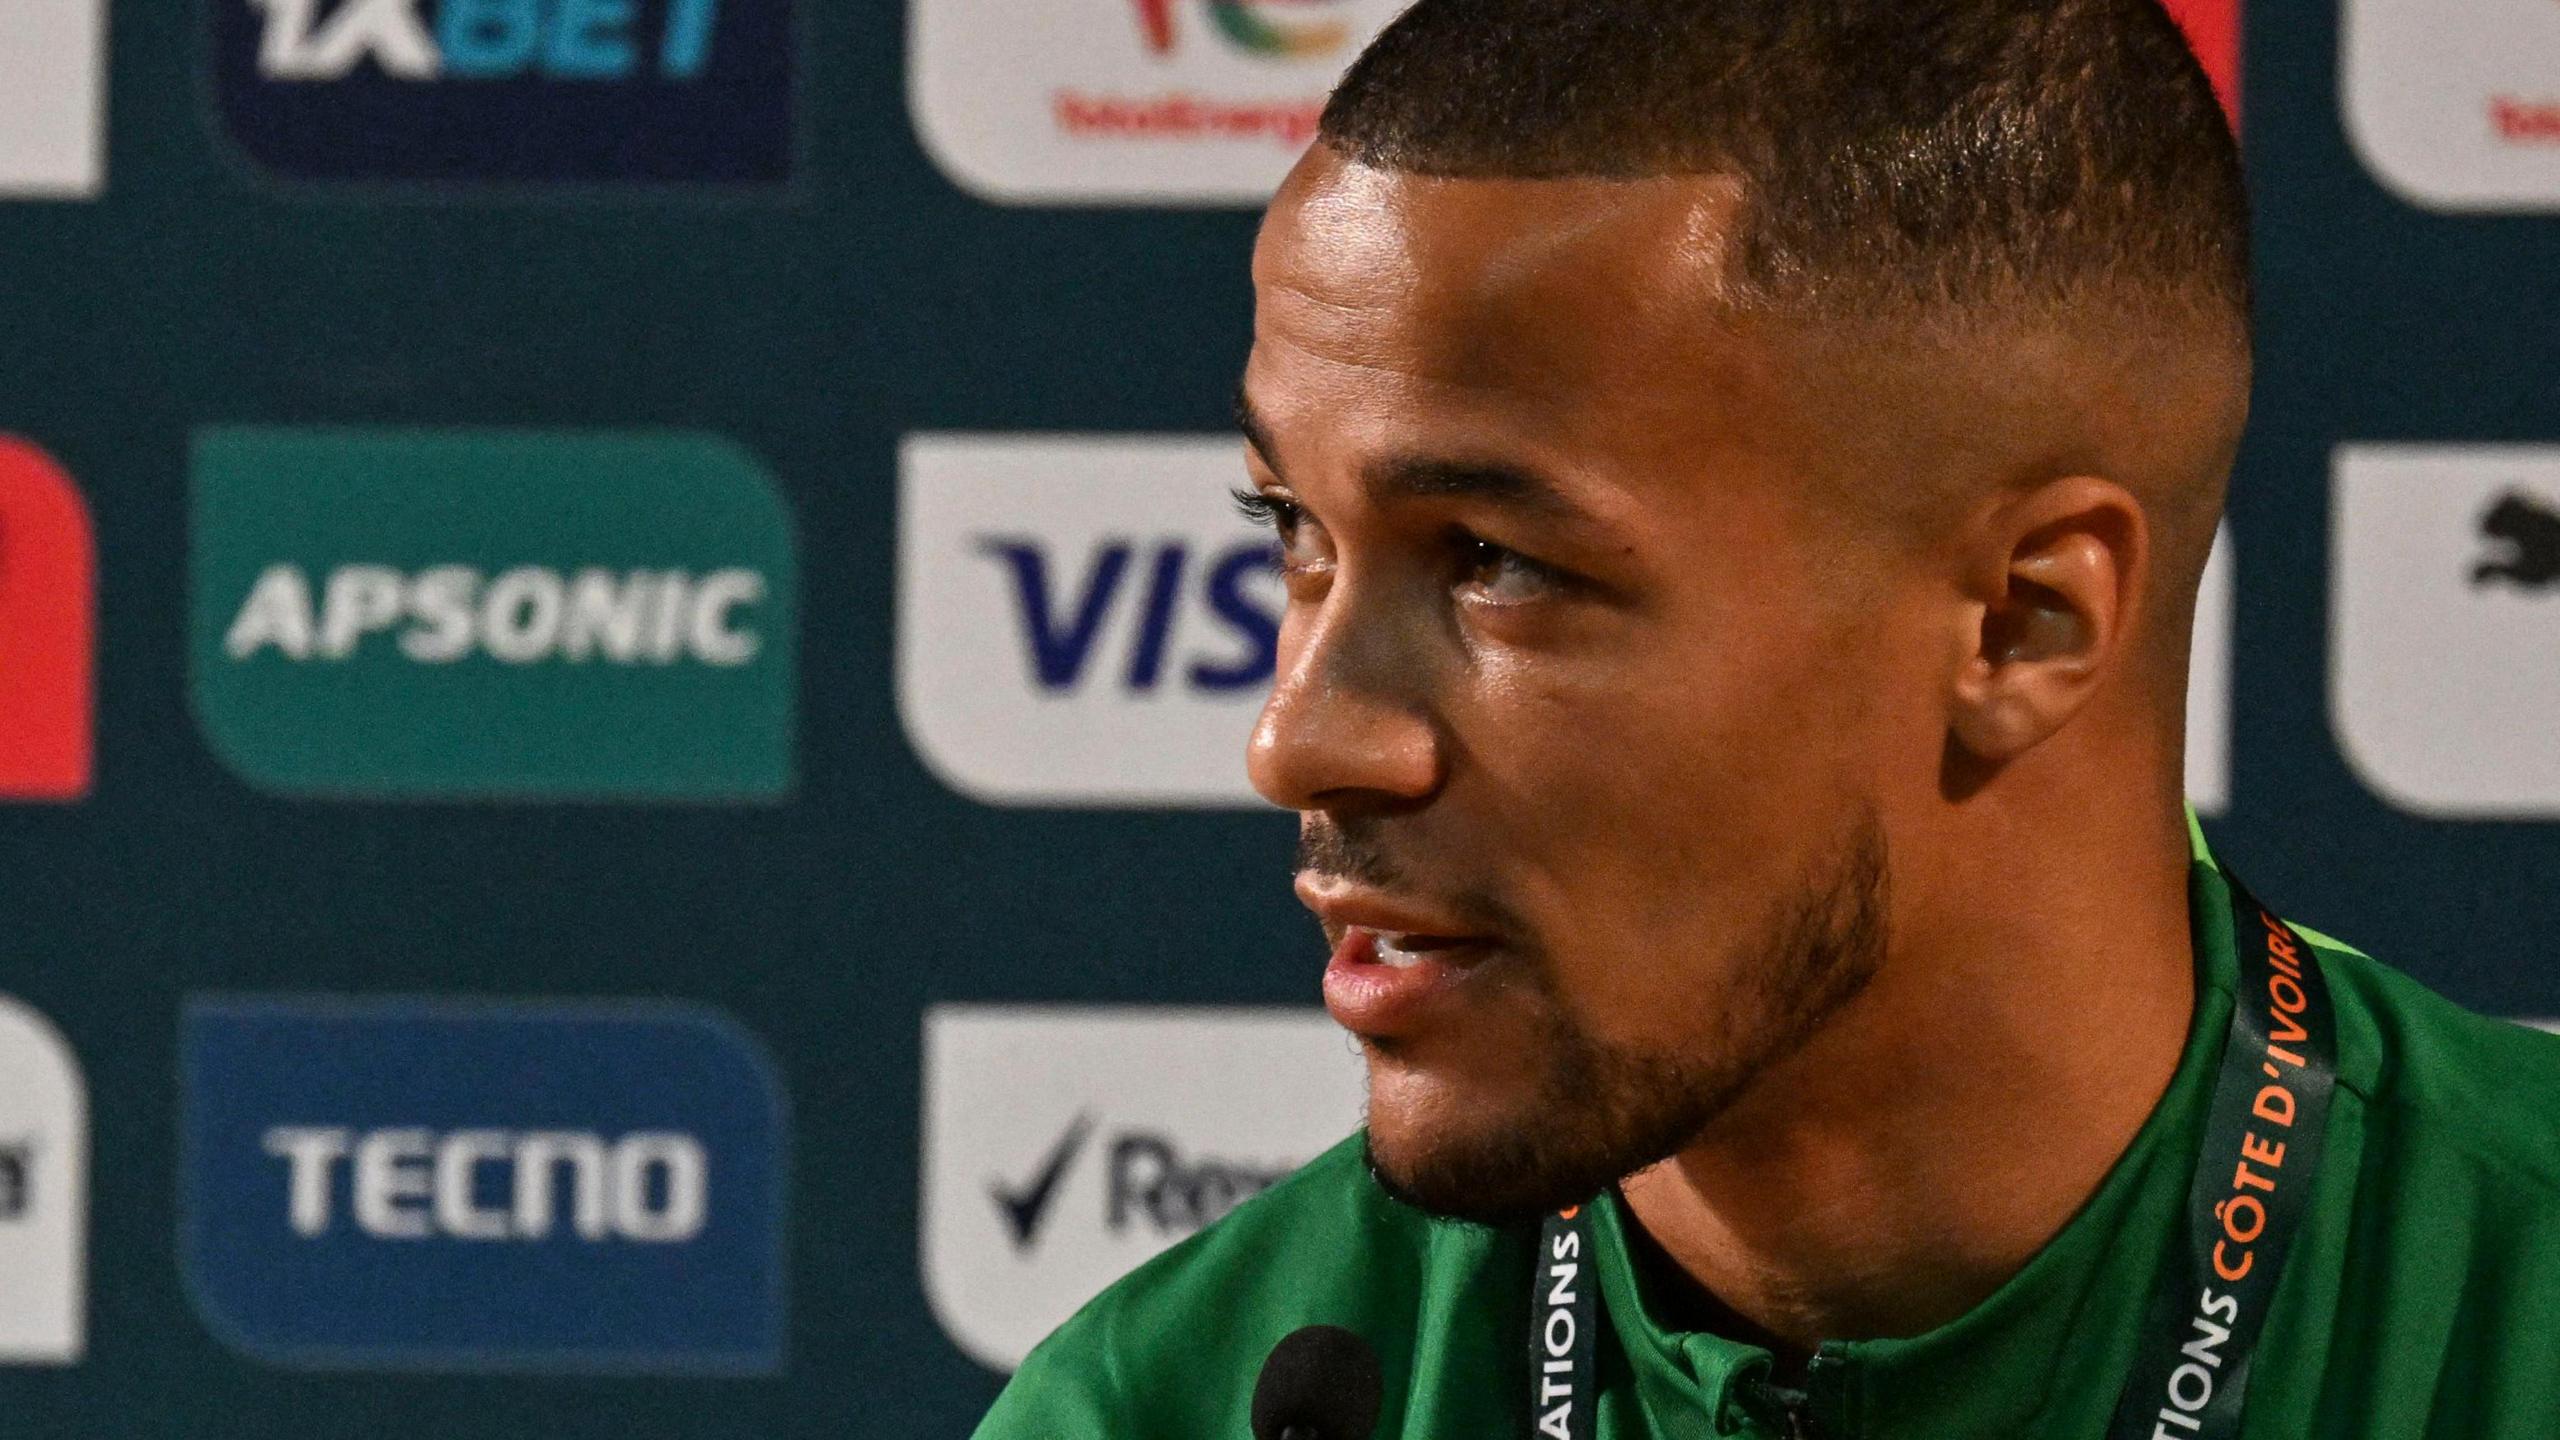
1402	950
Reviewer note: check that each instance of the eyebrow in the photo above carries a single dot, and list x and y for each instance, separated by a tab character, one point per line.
1422	478
1256	434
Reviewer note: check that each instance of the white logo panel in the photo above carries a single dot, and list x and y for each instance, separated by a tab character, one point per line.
1082	621
2457	107
52	99
2209	685
1162	102
2445	606
1063	1147
44	1192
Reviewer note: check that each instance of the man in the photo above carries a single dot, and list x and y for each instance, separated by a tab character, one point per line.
1743	469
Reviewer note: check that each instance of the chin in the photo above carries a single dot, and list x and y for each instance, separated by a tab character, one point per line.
1465	1156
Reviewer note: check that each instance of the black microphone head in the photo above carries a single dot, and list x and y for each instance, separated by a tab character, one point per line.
1321	1383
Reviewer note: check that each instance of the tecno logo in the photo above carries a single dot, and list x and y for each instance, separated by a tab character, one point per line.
525	616
470	92
1082	621
477	1185
443	614
413	1183
1065	1146
300	40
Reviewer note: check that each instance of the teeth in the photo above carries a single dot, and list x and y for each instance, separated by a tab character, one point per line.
1393	951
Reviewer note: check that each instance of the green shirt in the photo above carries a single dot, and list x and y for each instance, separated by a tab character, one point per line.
2422	1296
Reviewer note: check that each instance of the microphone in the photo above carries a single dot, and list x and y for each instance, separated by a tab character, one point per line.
1321	1383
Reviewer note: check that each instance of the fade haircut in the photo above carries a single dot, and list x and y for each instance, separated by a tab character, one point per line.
1913	155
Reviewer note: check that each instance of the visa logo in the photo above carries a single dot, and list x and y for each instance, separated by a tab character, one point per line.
1083	620
308	40
1064	609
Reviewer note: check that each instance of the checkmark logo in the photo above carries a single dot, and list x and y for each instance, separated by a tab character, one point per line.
1024	1206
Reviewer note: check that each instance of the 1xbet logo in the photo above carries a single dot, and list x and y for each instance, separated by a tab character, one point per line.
484	39
1242	24
524	91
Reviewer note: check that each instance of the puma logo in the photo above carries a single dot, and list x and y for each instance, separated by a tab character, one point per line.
2527	534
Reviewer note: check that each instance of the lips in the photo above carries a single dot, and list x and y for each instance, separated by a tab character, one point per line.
1391	985
1402	950
1396	963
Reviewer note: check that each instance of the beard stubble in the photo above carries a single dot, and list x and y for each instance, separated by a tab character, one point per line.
1603	1112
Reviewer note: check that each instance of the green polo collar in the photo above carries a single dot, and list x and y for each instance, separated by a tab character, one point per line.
2063	1324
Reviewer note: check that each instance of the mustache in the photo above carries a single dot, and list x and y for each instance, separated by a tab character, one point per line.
1348	848
1358	848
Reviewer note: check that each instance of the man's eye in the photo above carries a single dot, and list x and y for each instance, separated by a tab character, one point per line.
1504	576
1303	549
1270	510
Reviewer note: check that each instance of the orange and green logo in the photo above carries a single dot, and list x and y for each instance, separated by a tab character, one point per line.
1244	27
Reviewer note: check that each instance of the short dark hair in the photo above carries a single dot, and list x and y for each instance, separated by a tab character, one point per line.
1947	151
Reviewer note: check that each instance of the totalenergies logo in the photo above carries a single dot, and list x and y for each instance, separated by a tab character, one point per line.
1242	23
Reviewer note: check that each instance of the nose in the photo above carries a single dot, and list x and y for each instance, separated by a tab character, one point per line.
1348	724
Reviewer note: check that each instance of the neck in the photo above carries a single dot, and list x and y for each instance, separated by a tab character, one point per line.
1942	1127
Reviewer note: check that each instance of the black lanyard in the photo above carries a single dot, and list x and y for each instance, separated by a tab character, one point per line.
2254	1170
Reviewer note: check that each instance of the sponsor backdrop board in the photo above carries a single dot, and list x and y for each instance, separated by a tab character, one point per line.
622	662
1056	1158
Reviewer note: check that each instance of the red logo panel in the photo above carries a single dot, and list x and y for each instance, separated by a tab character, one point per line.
48	582
2213	28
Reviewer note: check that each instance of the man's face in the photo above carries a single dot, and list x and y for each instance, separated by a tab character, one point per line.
1594	714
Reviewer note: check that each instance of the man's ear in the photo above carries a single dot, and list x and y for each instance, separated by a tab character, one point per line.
2055	578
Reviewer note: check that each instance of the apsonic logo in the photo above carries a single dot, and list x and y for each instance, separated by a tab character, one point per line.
1082	621
538	1186
53	88
48	582
1187	102
2457	107
2445	614
1060	1154
1086	621
44	1193
443	614
510	91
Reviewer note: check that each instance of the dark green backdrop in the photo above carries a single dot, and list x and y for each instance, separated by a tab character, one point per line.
875	300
